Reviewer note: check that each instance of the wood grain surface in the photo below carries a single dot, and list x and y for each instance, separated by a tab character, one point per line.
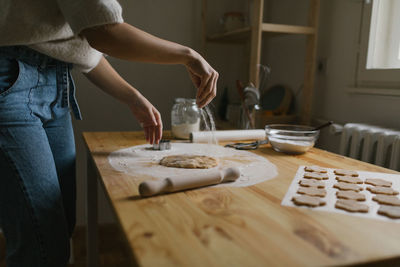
239	226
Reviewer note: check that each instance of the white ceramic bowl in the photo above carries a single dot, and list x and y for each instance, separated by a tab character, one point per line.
291	139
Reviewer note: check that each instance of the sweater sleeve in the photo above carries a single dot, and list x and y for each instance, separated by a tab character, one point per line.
82	14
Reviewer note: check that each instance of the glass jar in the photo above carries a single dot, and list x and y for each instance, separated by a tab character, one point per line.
232	21
185	118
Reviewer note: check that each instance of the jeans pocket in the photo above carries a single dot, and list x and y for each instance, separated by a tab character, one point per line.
10	72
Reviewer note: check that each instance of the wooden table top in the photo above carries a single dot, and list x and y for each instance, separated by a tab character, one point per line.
245	226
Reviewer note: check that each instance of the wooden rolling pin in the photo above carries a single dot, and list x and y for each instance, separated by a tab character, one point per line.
173	184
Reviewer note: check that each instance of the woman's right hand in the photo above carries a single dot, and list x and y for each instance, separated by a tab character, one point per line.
204	77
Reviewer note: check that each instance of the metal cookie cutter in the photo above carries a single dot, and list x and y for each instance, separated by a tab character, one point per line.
162	145
247	146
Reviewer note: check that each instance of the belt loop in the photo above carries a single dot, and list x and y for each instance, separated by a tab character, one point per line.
43	63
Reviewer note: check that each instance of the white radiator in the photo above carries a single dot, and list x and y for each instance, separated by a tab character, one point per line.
371	144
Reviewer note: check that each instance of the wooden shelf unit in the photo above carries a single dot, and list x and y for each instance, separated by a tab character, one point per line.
254	34
244	33
236	35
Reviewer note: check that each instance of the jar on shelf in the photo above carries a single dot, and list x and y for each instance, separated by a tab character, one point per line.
232	21
185	118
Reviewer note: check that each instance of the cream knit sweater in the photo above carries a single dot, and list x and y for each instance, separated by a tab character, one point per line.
52	27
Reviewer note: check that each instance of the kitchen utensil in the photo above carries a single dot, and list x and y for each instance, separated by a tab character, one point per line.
247	146
277	99
264	72
162	145
291	139
173	184
323	126
240	89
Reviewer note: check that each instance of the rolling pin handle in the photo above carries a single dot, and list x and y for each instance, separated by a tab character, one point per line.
230	174
151	188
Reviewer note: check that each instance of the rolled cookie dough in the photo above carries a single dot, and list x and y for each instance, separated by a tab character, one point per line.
189	162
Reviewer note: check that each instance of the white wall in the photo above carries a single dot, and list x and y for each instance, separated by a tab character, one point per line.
338	42
339	27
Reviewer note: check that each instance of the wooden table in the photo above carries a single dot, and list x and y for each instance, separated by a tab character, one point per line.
230	226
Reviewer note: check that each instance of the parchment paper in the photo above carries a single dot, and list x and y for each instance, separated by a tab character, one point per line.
331	193
142	160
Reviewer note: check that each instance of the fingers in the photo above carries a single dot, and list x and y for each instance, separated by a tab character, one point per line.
146	133
153	128
203	85
204	78
159	126
195	79
209	92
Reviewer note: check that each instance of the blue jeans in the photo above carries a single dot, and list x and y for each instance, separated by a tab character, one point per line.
37	157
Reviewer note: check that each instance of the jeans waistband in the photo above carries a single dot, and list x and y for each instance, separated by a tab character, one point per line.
64	78
30	56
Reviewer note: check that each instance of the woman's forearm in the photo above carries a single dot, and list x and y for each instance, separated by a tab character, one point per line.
127	42
130	43
108	80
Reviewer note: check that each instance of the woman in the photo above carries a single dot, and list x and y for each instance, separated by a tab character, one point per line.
40	42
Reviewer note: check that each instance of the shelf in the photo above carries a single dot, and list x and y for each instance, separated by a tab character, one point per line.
234	35
286	29
253	36
244	33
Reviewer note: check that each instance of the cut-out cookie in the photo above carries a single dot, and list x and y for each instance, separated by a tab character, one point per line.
312	191
316	176
387	200
305	200
350	195
315	169
351	205
349	179
378	182
347	186
312	183
346	173
389	211
382	190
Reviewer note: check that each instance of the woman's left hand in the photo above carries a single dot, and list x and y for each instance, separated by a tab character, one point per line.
149	118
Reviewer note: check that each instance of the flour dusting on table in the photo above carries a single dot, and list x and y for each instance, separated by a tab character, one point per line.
142	160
